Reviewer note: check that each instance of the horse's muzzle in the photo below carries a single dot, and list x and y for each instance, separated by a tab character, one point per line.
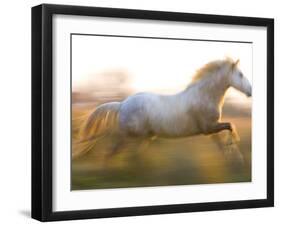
249	94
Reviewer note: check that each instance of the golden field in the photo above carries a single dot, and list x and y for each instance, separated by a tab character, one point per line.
191	160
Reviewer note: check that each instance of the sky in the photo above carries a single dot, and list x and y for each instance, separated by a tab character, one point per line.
152	65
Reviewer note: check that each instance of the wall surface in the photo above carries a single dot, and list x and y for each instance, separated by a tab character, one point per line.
15	117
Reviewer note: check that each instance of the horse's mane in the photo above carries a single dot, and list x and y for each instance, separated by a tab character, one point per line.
210	68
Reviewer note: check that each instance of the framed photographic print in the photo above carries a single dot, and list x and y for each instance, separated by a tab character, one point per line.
140	112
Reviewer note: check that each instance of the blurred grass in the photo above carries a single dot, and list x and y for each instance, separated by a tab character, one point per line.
191	160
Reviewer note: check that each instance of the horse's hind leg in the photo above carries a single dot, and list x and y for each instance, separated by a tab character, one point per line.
116	148
143	145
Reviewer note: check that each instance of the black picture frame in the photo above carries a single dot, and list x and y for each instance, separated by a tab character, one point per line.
42	107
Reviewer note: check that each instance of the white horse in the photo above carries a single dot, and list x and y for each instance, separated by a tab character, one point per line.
193	111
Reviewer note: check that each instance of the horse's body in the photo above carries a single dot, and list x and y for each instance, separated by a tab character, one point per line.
195	110
147	114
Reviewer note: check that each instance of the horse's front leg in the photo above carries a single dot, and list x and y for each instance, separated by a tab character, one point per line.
231	141
217	127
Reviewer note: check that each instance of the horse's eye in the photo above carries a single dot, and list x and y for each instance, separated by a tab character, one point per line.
240	74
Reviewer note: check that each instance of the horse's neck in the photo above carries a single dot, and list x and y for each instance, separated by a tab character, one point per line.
210	89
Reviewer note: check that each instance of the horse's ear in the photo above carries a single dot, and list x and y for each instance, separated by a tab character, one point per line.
235	63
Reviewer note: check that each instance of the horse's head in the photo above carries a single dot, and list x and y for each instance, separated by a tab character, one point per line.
238	81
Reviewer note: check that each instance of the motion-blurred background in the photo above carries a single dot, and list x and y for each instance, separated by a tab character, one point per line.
106	69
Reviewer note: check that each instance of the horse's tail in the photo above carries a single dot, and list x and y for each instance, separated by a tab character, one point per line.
101	122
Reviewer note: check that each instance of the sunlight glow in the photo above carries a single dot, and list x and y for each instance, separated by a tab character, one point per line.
154	65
